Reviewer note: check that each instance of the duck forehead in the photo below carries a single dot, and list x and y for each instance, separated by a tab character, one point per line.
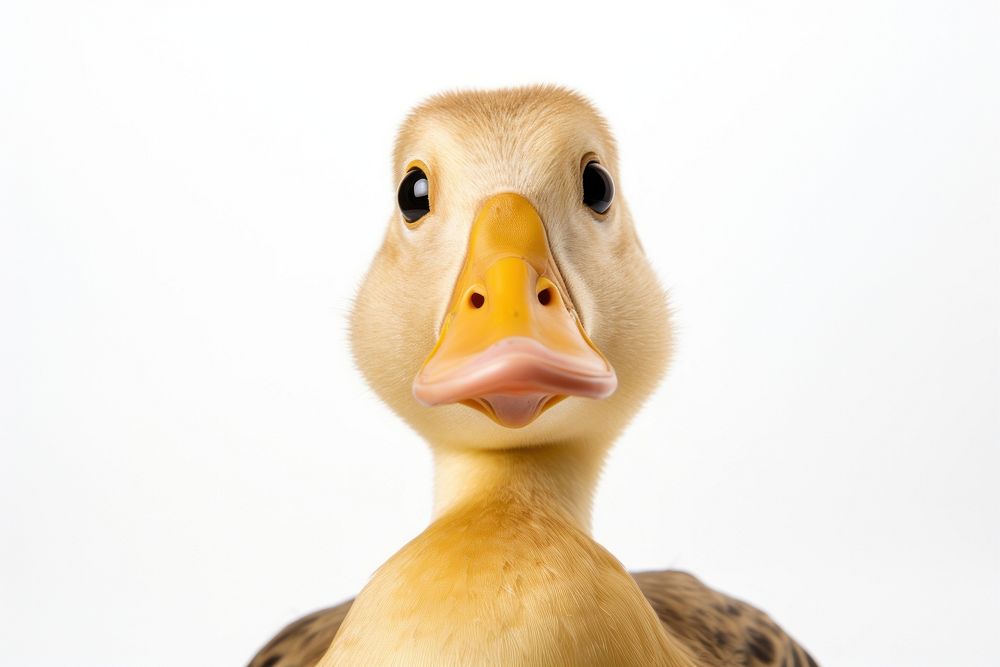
524	150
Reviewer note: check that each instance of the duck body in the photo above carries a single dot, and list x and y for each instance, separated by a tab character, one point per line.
512	319
715	629
506	575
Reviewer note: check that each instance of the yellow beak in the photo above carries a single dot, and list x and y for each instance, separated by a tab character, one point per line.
511	344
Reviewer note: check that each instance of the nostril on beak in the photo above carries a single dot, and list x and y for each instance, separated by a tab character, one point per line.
477	300
545	296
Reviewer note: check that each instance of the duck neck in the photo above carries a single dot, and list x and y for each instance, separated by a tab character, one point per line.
507	573
560	478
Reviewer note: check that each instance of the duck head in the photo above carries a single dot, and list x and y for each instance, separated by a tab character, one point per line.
510	303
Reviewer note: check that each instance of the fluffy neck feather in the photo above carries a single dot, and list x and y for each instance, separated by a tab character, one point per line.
559	477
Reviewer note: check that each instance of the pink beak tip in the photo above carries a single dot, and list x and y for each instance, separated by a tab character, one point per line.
515	377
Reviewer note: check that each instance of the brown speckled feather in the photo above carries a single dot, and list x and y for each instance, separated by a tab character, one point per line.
719	630
303	643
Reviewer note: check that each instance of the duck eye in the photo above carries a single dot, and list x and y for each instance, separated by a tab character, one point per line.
598	188
413	195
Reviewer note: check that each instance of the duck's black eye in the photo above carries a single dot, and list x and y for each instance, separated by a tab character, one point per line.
598	188
413	196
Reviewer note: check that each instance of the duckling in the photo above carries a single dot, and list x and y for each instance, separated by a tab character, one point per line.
512	319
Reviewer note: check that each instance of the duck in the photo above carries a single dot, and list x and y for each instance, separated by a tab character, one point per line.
512	318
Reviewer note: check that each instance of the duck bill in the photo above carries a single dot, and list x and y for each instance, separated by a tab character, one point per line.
511	345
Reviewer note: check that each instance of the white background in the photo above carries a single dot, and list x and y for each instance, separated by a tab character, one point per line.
191	191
